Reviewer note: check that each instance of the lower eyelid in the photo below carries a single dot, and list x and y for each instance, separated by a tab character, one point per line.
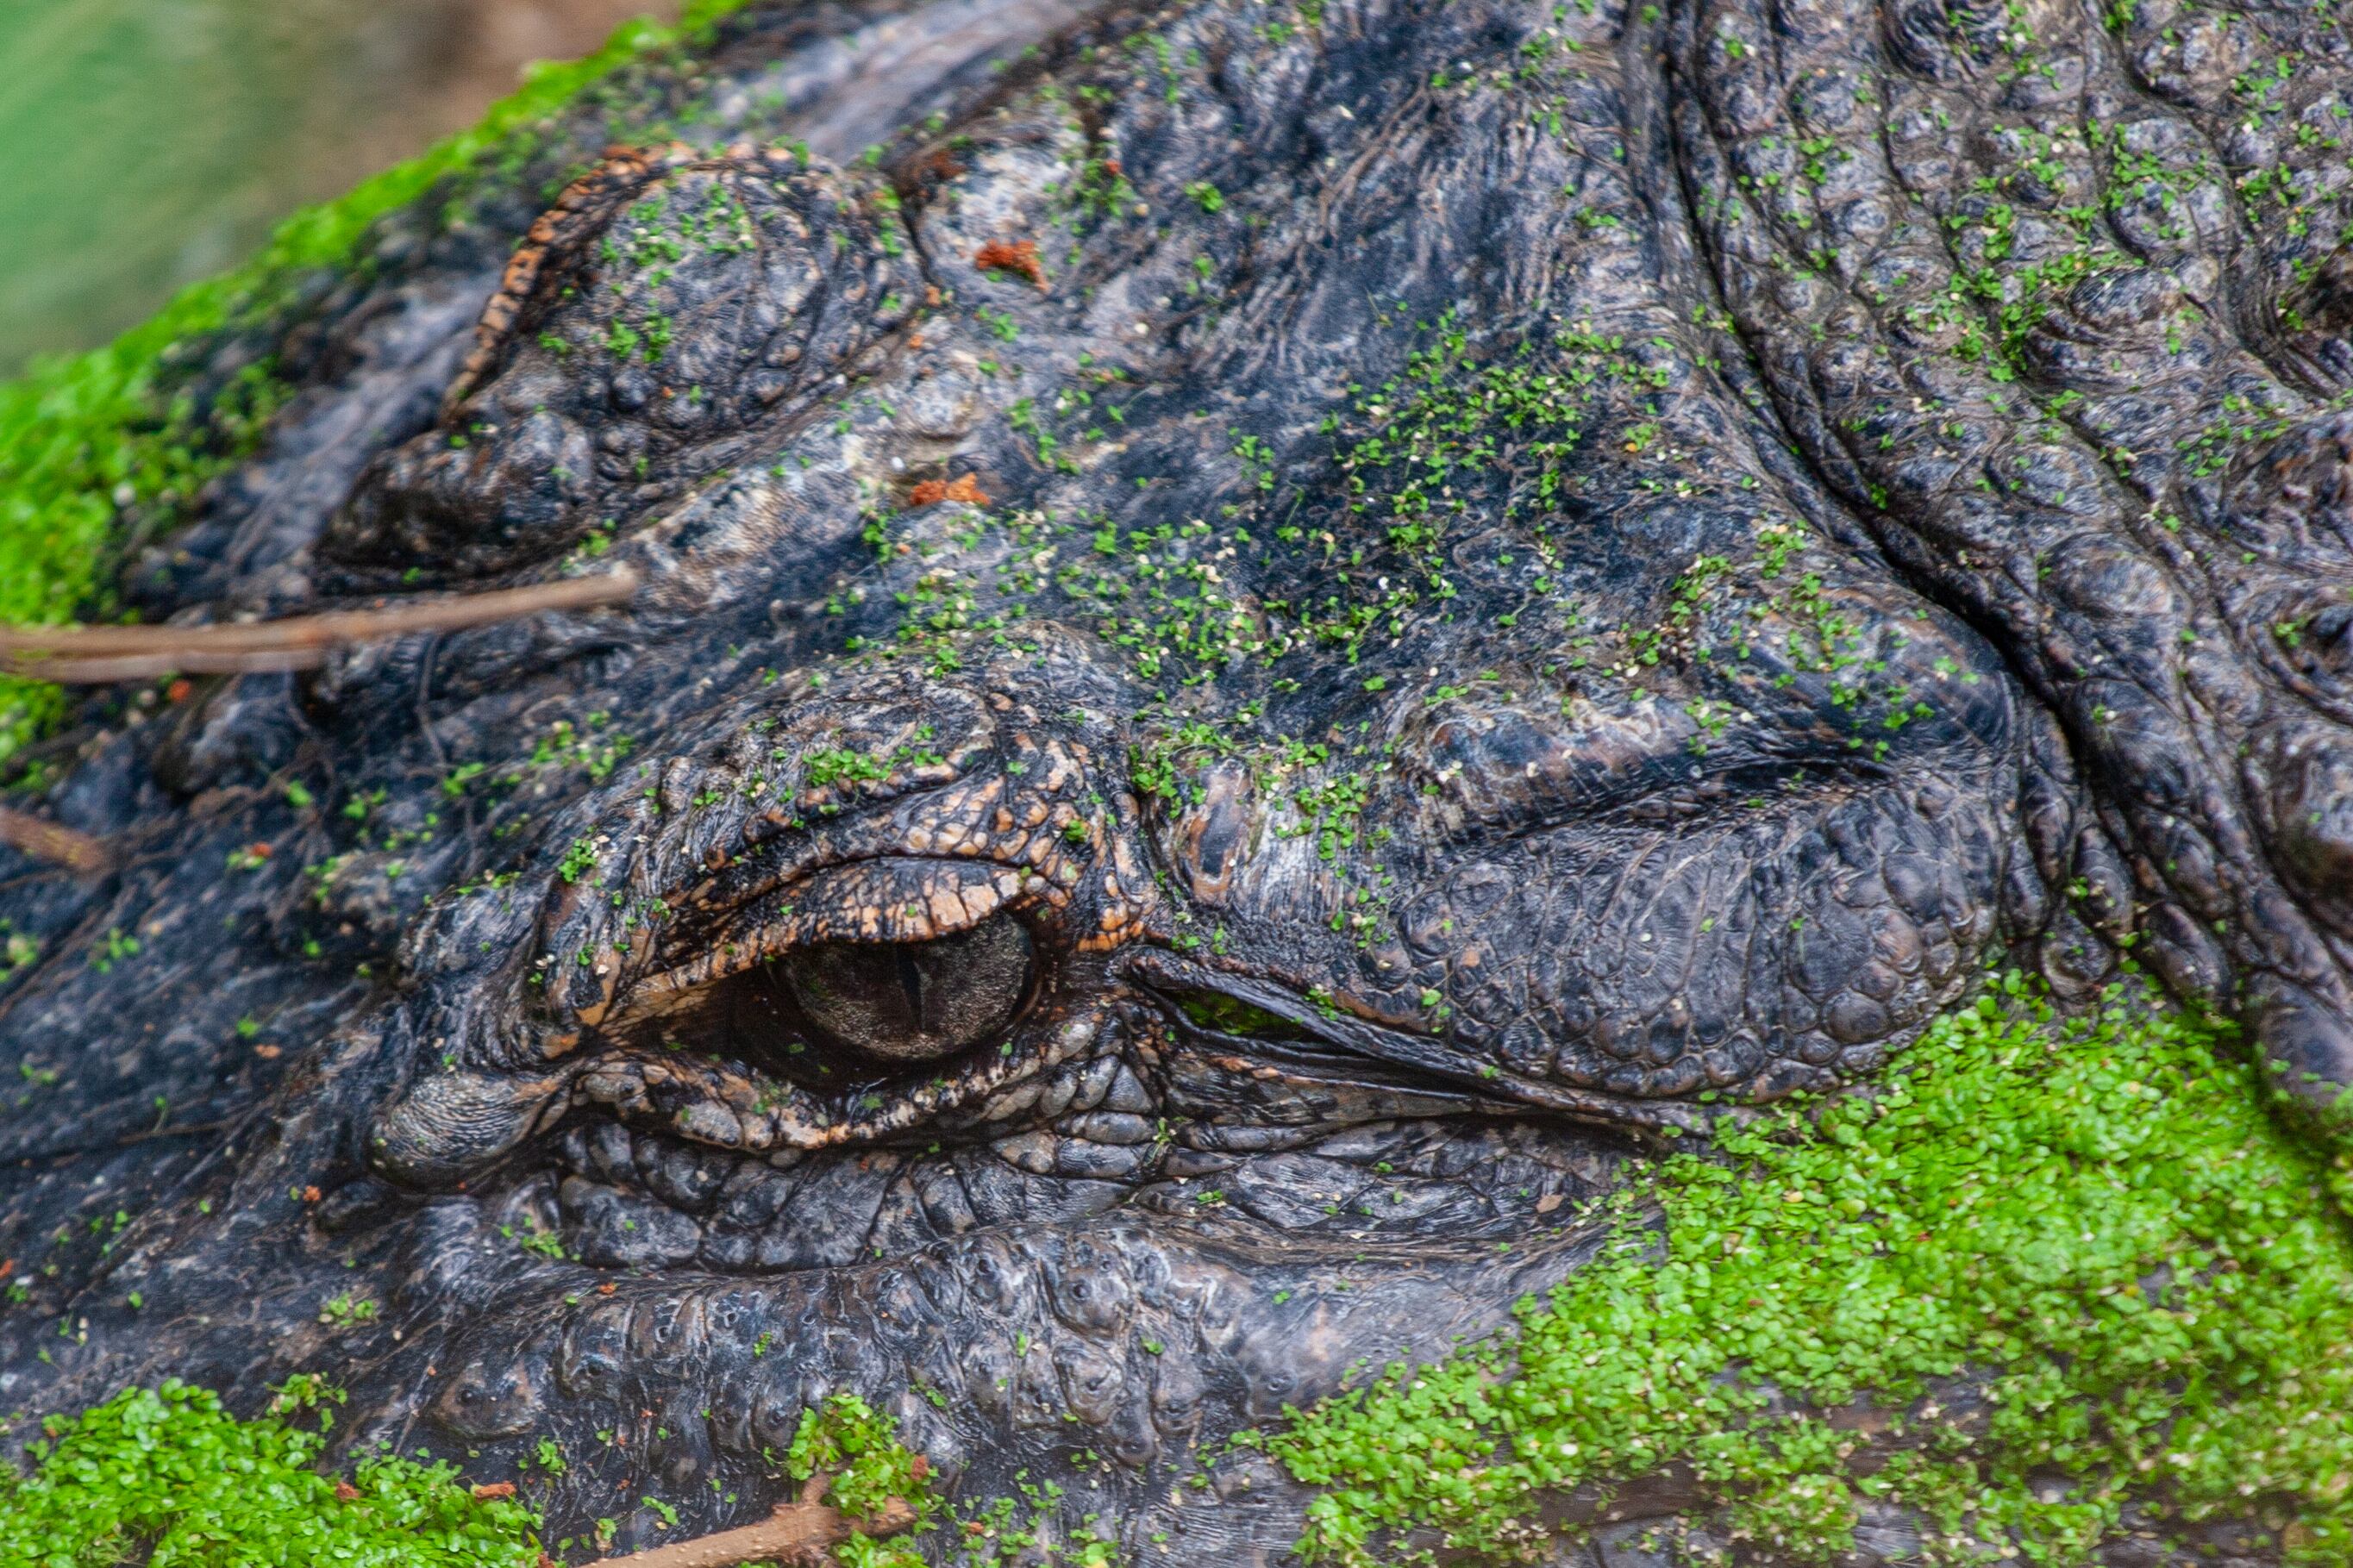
685	1095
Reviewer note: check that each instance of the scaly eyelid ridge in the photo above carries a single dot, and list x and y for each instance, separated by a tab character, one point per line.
896	900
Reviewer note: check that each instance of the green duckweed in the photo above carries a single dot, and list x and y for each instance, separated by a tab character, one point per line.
2094	1216
167	1478
859	1447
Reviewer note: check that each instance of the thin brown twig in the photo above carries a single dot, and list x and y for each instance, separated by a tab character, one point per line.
48	841
797	1533
95	655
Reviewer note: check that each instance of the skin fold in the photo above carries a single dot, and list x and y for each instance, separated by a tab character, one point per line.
1541	576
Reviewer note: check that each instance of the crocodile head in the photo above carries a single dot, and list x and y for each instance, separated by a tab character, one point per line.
1269	654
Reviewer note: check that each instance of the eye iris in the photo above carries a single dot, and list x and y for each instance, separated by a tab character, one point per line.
914	1001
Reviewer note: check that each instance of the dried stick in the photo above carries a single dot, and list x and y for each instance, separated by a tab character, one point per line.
95	655
47	841
795	1532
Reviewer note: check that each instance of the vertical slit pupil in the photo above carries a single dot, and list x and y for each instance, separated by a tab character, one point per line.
910	985
912	1000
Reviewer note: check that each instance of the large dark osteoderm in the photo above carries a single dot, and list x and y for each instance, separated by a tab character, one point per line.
1542	574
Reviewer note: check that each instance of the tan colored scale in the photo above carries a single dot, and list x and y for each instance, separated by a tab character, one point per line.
581	212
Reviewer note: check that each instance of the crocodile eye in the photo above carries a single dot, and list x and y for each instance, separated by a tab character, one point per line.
894	1001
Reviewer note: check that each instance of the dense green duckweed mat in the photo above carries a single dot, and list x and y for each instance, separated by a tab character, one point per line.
167	1478
2094	1217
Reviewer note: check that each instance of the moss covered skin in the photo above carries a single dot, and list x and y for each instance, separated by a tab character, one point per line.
2091	1216
85	436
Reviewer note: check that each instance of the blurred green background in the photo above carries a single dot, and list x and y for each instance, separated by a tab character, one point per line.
146	143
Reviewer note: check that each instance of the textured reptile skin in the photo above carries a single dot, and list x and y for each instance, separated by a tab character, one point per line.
1543	573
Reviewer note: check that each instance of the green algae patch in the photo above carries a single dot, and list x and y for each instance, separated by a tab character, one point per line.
857	1446
86	436
869	1469
2094	1217
167	1478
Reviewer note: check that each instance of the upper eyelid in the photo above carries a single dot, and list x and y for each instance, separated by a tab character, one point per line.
886	899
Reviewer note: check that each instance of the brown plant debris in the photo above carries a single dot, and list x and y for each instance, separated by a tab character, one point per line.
48	841
97	655
1019	256
965	487
800	1533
